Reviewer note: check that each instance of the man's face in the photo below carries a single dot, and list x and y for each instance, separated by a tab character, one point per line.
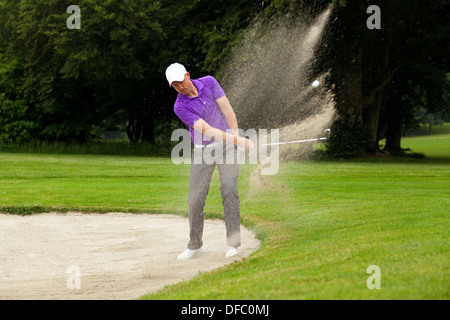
184	87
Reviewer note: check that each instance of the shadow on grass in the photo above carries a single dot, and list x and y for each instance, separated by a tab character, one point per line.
122	148
405	157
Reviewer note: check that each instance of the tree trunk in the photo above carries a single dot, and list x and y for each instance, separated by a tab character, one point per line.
141	125
380	78
371	122
394	125
394	135
134	129
349	100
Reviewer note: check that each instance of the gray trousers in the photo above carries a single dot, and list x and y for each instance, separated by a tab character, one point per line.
199	183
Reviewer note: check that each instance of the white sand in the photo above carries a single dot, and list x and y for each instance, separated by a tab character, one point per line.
118	255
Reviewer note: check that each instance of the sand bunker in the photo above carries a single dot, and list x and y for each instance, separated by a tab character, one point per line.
103	256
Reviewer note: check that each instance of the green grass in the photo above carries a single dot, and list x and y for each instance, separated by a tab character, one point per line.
436	146
90	183
436	129
322	224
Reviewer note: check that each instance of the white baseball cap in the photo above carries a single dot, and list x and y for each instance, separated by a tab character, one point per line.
175	72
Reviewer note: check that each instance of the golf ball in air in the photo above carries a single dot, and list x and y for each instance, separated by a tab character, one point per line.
315	84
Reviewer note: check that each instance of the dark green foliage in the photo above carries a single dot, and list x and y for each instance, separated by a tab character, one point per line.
381	77
64	85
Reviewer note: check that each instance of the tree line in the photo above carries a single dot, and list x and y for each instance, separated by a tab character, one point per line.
383	78
63	84
59	84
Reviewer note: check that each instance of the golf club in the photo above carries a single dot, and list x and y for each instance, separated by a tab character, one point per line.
297	141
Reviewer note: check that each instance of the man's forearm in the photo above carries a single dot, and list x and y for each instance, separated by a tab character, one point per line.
228	112
219	135
232	122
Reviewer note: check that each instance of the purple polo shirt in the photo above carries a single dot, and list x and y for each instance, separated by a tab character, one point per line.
204	106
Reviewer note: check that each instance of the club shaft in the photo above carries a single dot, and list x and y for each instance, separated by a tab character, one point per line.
291	142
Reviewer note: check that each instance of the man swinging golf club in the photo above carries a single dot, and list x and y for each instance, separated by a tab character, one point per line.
202	105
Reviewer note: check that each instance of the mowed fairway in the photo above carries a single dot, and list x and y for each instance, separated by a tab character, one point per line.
322	223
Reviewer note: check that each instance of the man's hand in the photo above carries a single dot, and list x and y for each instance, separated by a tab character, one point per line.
230	117
203	127
244	143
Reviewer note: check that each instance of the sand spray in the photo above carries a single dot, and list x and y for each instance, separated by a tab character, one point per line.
268	81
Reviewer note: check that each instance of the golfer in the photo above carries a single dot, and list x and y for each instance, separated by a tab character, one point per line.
202	105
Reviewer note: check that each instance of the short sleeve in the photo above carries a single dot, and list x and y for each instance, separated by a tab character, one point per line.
185	115
216	89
